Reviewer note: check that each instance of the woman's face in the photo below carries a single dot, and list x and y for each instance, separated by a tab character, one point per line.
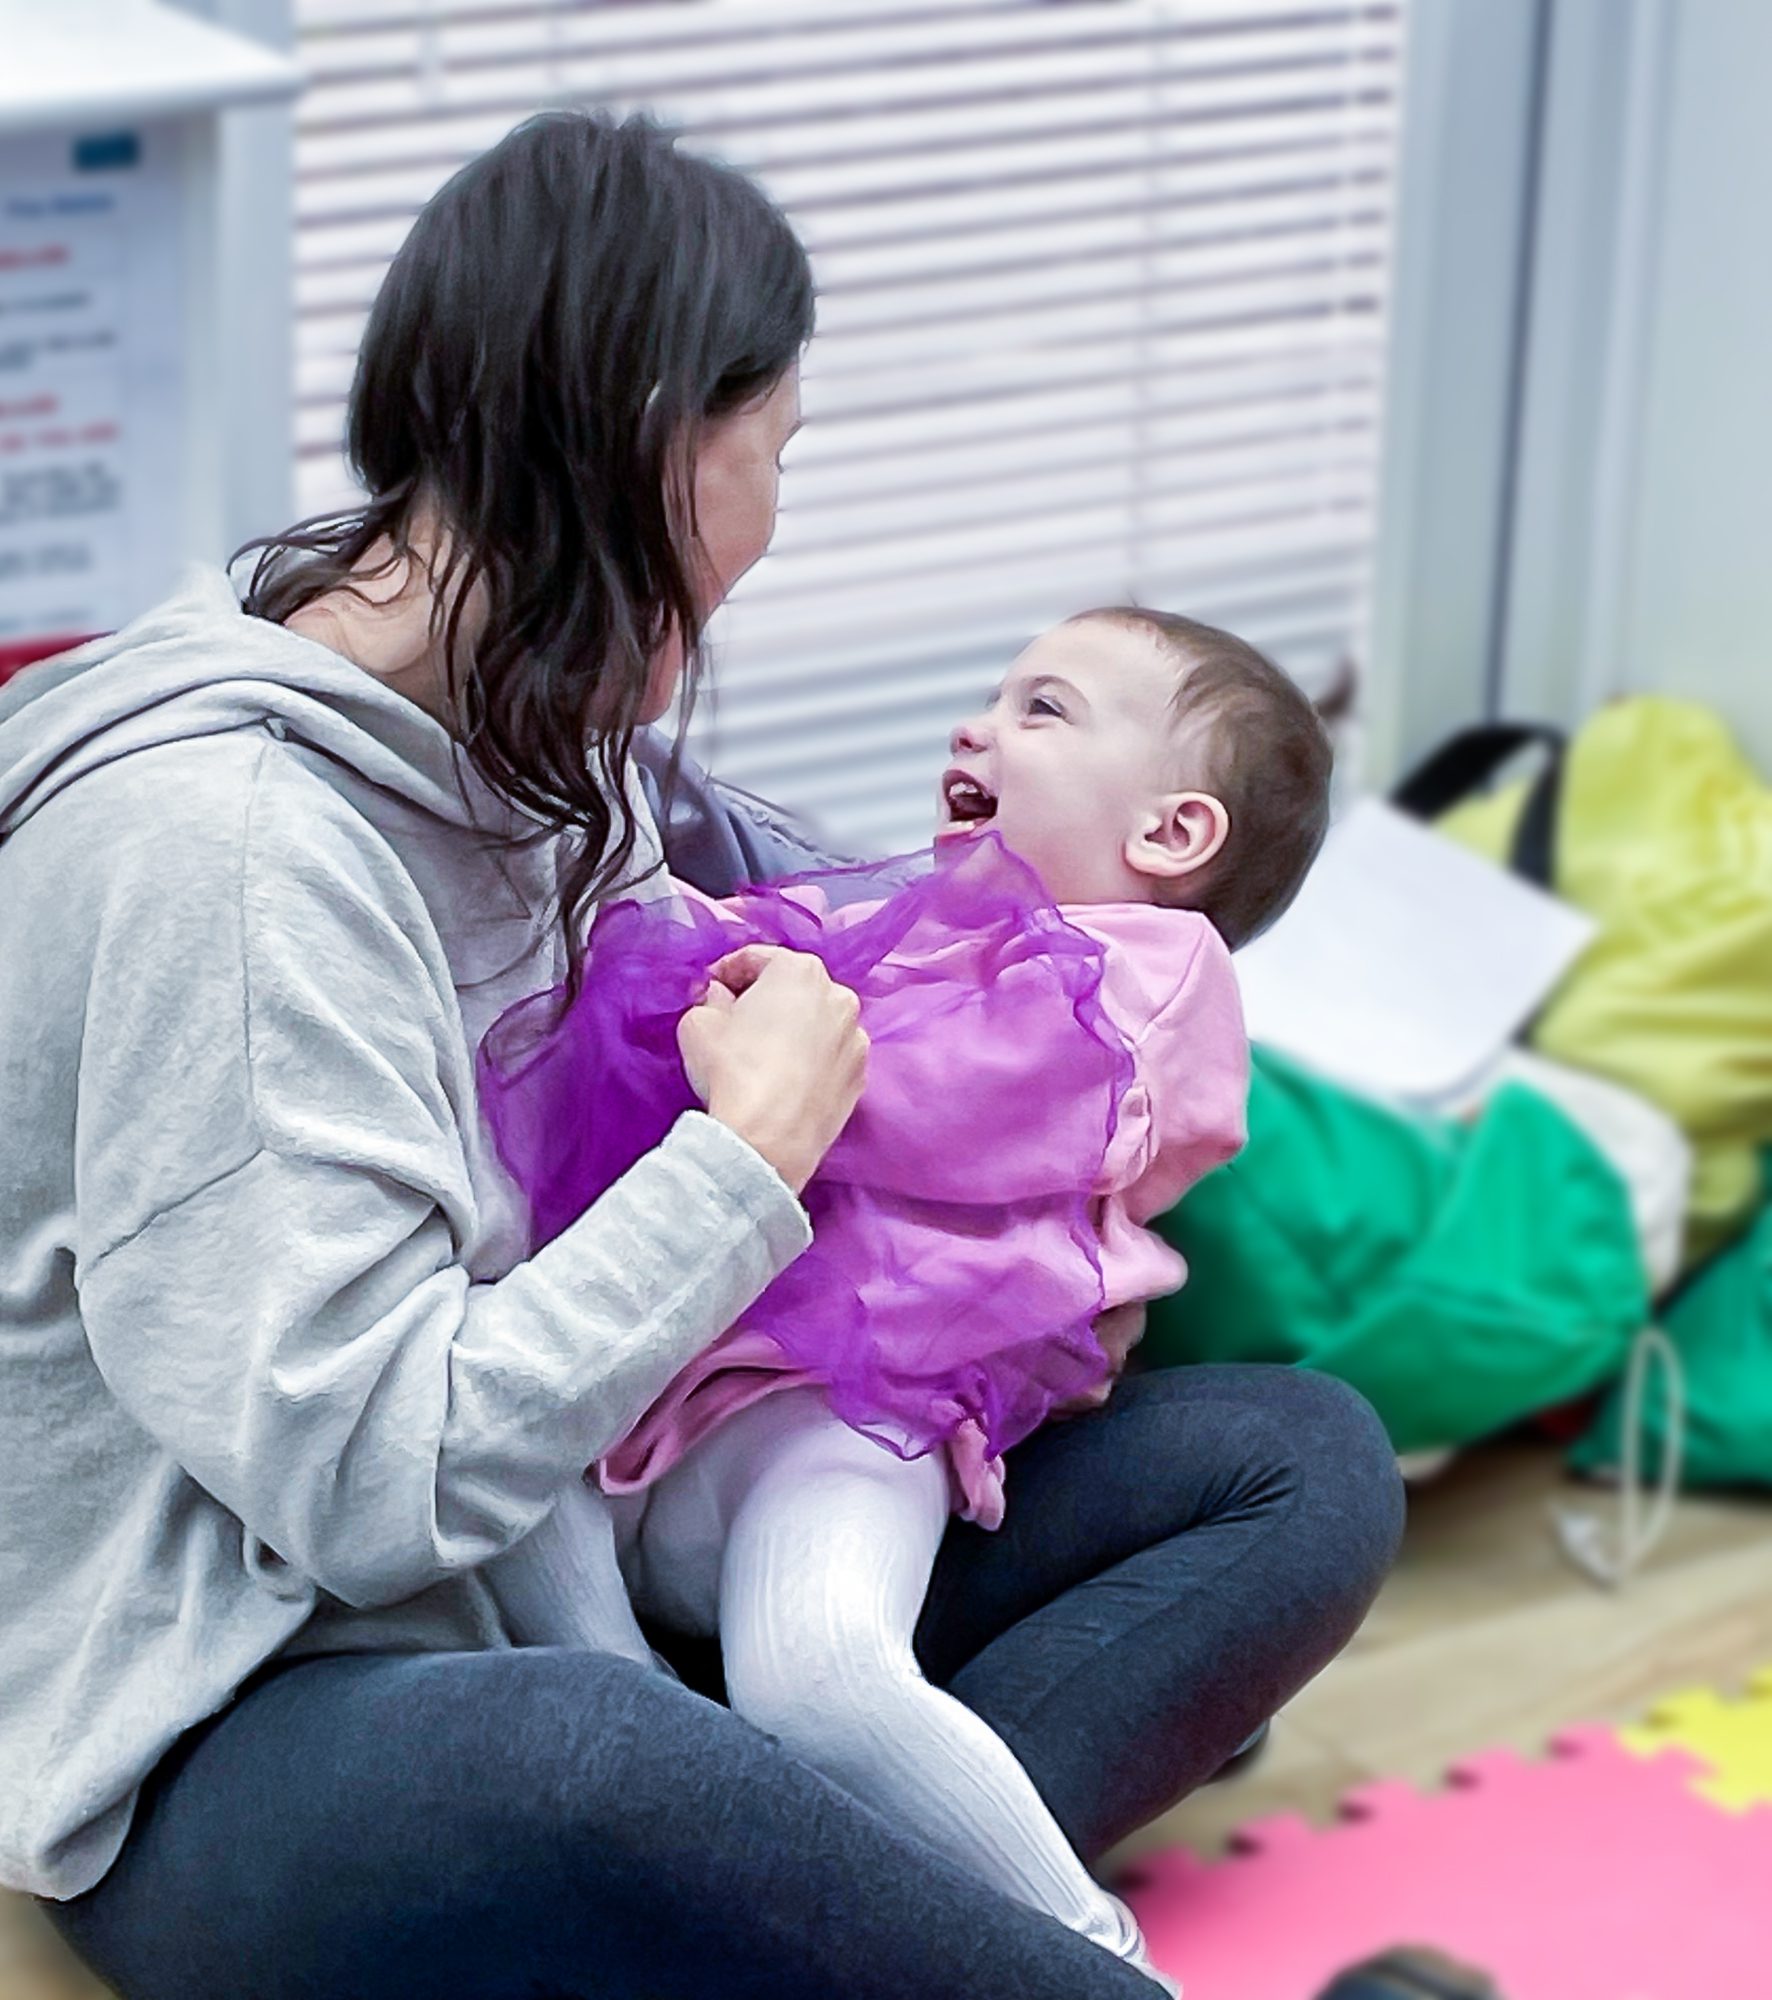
737	480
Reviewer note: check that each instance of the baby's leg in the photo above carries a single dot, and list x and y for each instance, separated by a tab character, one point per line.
827	1560
562	1586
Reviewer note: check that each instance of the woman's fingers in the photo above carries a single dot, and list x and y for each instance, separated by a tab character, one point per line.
780	1057
740	970
1089	1399
1117	1332
697	1038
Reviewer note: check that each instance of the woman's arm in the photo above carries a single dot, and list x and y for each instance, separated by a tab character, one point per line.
718	839
276	1212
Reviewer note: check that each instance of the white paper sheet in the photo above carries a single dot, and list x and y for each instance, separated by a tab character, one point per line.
1407	963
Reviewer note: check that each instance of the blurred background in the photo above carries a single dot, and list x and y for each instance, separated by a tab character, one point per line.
1423	343
1428	336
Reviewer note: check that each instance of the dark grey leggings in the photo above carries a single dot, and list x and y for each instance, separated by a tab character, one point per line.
544	1825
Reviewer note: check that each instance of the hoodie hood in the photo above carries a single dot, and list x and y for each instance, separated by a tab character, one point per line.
197	665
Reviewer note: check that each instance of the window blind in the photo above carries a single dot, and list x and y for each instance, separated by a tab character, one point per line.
1101	316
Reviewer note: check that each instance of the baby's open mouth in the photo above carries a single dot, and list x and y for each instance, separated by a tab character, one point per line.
966	800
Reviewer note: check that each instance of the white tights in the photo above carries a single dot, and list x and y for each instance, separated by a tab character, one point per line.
808	1549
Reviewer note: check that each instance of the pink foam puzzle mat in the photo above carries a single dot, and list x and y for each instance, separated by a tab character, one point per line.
1614	1868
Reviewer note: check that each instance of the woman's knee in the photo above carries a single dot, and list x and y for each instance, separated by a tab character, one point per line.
1336	1453
1268	1431
1326	1413
536	1751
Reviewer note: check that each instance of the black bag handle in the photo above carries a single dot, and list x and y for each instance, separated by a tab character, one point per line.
1467	761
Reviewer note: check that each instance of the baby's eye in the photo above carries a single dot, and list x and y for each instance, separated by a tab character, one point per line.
1043	704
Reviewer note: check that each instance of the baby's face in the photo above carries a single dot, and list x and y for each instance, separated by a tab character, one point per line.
1070	760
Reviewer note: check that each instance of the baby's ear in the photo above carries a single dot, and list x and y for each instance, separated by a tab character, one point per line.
1180	833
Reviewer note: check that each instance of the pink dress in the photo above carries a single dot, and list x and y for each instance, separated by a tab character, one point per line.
1041	1083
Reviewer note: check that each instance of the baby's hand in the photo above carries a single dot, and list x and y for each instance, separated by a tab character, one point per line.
1119	1330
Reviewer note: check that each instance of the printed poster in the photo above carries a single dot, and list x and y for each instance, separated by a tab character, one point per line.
93	420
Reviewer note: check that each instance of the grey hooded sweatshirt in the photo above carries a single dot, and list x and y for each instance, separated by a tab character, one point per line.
275	1374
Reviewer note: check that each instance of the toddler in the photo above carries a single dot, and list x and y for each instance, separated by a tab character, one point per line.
1056	1056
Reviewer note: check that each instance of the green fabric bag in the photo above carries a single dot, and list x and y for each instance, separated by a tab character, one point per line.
1409	1256
1721	1325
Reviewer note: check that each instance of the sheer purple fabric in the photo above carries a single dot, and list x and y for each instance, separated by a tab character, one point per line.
955	1268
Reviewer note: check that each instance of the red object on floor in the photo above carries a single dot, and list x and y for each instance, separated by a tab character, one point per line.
1566	1422
26	652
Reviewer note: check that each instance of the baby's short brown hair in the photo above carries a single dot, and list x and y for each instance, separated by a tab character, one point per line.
1255	743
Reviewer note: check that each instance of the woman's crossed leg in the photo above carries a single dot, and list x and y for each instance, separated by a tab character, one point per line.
536	1824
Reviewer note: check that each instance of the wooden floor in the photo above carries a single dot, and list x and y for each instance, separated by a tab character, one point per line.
1483	1636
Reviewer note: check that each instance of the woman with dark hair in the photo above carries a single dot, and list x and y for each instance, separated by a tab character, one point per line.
277	1376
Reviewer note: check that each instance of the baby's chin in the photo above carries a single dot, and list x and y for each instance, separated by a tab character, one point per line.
951	835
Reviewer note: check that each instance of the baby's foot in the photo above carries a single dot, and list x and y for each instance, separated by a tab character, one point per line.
1161	1980
1130	1946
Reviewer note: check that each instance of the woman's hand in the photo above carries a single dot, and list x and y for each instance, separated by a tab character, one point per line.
1118	1330
776	1052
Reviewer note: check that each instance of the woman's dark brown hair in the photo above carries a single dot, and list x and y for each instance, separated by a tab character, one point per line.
564	315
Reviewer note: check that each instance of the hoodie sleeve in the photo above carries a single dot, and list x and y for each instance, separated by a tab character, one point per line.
274	1205
717	838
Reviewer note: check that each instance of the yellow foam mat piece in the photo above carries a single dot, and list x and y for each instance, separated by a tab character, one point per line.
1733	1737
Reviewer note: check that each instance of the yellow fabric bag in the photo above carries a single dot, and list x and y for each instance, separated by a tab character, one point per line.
1662	830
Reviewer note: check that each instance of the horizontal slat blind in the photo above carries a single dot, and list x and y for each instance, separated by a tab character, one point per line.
1102	302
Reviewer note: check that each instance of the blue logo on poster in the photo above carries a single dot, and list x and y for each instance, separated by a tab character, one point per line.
106	152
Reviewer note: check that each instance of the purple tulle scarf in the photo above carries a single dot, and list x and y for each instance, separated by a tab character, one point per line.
954	1272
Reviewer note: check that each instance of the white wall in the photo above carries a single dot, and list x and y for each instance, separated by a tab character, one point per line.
1465	187
1579	465
1697	587
254	339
